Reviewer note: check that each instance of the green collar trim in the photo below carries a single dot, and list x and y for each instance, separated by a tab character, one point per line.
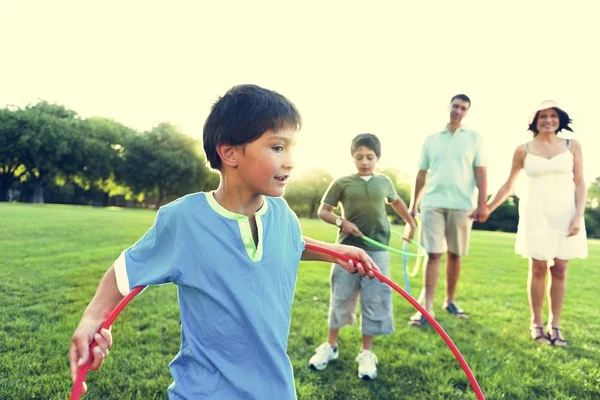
254	253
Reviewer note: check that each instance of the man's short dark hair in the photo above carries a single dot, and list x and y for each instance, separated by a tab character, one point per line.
243	115
367	140
563	122
462	97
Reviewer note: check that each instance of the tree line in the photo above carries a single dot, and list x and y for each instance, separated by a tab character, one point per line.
48	153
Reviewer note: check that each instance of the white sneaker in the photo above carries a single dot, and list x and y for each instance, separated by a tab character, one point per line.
323	355
367	365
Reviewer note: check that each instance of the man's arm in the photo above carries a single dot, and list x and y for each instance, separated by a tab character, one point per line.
400	207
482	213
417	192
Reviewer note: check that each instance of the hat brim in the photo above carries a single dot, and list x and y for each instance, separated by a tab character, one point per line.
546	105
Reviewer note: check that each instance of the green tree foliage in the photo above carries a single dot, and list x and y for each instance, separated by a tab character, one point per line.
47	147
45	139
163	164
48	151
304	193
12	151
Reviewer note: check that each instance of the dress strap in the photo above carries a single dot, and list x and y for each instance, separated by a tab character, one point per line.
569	144
526	147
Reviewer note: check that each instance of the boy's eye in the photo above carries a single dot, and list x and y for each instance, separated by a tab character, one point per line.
278	148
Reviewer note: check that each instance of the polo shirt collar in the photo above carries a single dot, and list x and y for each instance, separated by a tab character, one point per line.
446	130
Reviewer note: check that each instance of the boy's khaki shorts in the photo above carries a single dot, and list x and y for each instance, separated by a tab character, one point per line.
375	299
446	230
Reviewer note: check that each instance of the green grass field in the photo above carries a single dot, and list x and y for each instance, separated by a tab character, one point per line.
52	258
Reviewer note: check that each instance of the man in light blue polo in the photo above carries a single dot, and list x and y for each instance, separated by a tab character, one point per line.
452	163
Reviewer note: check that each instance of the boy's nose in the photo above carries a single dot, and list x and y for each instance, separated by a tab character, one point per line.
289	161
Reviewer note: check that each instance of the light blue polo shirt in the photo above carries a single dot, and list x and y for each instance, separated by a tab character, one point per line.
451	161
235	298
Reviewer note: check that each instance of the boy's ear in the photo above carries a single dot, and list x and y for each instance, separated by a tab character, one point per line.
228	154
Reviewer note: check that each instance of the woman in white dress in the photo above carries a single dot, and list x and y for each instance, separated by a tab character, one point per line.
551	226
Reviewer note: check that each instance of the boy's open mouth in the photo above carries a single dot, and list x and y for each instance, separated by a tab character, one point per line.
282	178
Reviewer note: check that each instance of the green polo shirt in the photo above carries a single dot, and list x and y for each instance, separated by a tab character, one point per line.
450	161
363	203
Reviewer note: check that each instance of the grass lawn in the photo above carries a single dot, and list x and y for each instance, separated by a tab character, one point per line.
52	258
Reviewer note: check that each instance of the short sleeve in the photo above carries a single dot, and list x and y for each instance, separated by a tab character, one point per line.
391	193
332	194
150	261
480	153
424	163
295	229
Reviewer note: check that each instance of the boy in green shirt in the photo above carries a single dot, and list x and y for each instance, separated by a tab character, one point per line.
363	197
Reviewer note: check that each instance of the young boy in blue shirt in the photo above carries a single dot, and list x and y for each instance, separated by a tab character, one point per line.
233	254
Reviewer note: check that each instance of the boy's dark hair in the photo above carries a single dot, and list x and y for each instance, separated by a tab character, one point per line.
563	122
462	97
367	140
243	115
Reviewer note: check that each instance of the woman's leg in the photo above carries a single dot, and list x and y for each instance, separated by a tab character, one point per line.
535	289
557	287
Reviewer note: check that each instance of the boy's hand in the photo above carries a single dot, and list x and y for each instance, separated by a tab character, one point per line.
360	255
409	231
350	229
82	338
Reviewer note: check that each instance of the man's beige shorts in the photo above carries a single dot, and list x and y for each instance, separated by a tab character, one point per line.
446	230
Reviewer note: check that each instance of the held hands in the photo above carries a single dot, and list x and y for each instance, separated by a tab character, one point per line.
365	264
350	229
574	226
481	214
82	338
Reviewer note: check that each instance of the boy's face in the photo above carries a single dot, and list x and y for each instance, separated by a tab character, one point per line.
265	164
365	160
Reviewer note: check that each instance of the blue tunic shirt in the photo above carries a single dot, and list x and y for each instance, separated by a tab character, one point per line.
235	298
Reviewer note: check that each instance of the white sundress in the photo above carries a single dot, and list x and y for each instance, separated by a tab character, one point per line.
546	209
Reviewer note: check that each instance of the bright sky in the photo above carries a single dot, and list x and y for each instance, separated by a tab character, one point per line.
385	67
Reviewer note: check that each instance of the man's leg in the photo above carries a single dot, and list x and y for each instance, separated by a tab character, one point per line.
433	222
458	233
430	279
453	264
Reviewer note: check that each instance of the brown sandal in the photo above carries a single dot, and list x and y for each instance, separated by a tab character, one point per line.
537	334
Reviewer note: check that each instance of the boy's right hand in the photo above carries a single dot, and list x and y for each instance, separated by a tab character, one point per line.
351	229
80	343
